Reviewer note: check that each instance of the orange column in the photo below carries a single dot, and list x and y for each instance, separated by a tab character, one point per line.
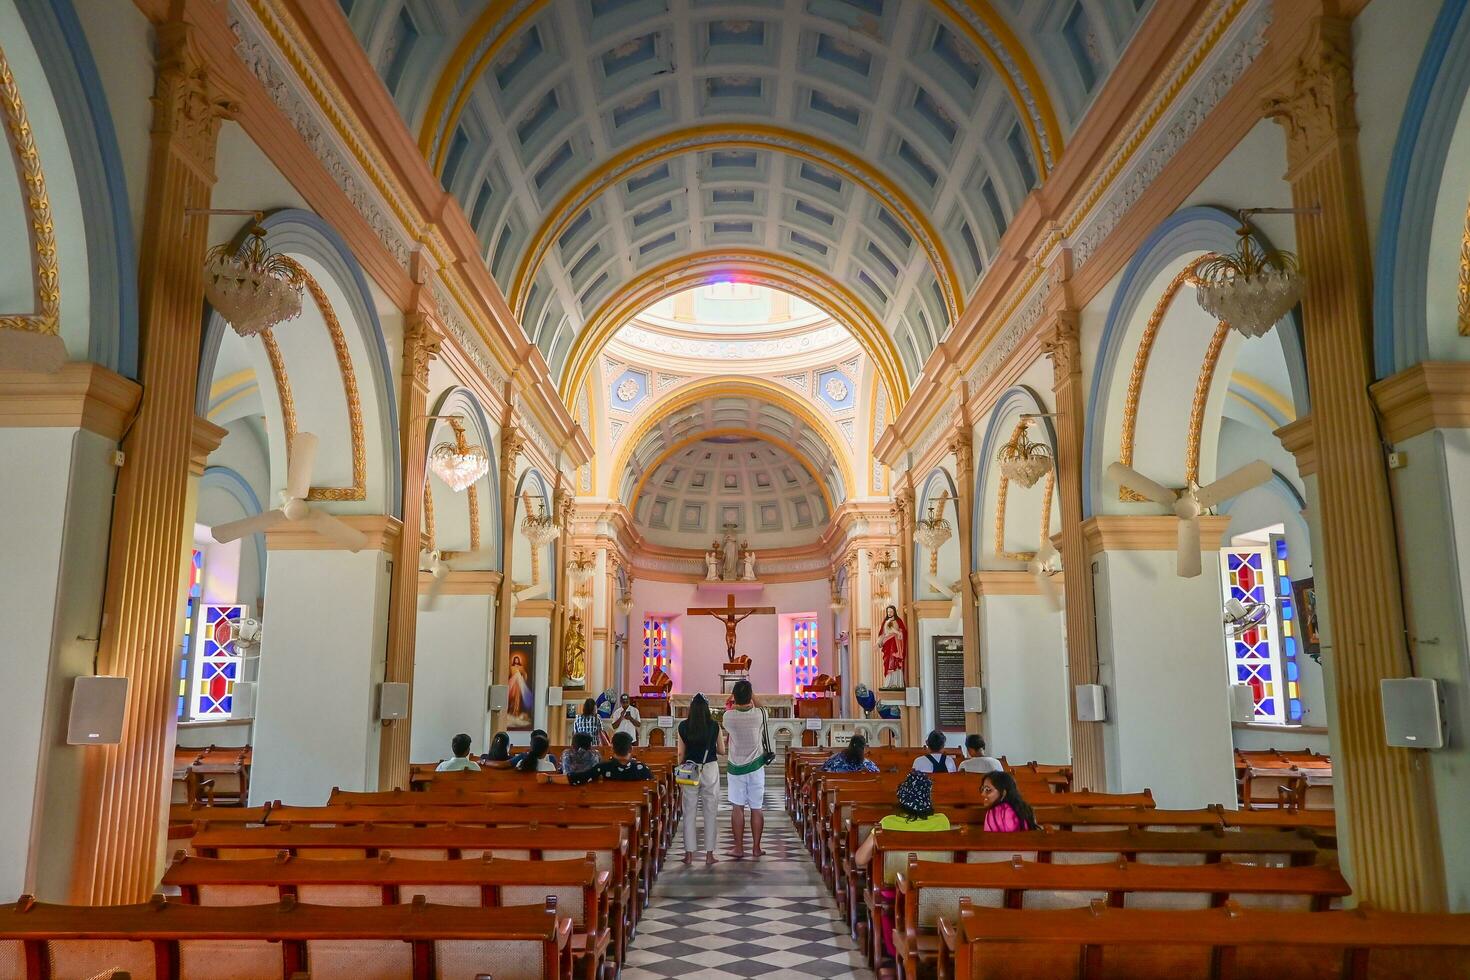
420	346
903	516
1384	809
1060	340
961	447
125	786
511	444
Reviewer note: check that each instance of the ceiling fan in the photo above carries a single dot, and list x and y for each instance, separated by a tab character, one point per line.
1241	616
440	564
1042	568
1189	502
294	509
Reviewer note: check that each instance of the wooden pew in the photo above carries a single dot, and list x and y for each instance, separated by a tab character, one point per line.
580	890
1227	943
928	891
175	941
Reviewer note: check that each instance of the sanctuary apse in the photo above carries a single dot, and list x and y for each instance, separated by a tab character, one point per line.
1082	375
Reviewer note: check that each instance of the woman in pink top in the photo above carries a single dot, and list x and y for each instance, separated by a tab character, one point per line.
1005	810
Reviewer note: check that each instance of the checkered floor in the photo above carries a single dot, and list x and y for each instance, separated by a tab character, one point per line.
766	917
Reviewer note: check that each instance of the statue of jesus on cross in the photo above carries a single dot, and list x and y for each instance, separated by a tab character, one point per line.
727	614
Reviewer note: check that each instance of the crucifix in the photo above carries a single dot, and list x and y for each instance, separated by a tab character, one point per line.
727	614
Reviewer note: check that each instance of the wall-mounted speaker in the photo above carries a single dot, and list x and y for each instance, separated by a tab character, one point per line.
1242	703
975	699
392	701
1413	717
242	701
1092	702
554	697
98	705
499	697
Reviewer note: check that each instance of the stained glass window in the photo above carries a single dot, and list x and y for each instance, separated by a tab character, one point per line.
803	651
192	596
1264	657
657	653
219	661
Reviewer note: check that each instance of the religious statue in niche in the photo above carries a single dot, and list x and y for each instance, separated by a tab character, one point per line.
749	560
574	654
893	643
729	550
712	564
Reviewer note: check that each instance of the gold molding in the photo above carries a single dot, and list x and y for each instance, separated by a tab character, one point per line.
382	534
1137	532
1202	387
358	490
1255	386
45	272
81	395
1002	493
486	583
1463	292
1300	439
1430	395
426	535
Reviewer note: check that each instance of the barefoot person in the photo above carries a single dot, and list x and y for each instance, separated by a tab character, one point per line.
745	728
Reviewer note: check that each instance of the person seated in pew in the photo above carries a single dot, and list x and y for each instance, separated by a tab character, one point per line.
538	757
1005	810
621	768
851	759
935	760
499	751
975	759
915	814
460	762
581	756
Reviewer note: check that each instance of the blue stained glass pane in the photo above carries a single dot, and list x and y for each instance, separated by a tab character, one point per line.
225	703
1286	611
1234	561
1290	642
1285	586
1242	672
204	703
1293	673
1295	710
230	671
1258	594
1254	561
1281	548
1264	671
1267	706
181	705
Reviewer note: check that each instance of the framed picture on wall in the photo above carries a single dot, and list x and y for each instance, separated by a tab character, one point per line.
1304	592
520	701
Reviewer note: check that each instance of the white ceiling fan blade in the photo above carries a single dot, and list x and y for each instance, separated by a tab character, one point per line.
1048	590
1045	552
234	530
1127	476
460	561
431	598
1188	562
300	465
330	527
1233	484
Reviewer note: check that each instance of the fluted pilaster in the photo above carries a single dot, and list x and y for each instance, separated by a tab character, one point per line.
1384	807
961	447
125	786
511	444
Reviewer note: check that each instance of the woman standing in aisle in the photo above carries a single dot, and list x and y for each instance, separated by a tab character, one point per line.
699	739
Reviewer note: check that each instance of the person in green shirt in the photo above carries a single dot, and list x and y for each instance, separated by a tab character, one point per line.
915	813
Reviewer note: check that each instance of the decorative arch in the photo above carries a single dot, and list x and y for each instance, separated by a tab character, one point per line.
1194	229
1410	198
756	267
231	482
938	482
65	57
532	483
758	136
460	400
743	387
631	500
1012	402
296	232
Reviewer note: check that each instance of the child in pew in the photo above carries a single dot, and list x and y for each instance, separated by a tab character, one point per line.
851	759
935	760
538	757
622	767
975	758
915	814
581	756
1006	811
460	761
498	756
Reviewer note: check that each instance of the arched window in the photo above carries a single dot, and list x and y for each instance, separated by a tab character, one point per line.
1263	657
804	663
657	651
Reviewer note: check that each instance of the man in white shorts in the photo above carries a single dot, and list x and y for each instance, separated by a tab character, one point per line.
745	727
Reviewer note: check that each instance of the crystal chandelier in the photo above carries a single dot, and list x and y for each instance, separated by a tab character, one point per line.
1022	460
932	531
580	569
538	526
1250	289
251	286
887	569
459	466
625	602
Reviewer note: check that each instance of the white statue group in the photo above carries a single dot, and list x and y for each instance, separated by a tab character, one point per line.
729	560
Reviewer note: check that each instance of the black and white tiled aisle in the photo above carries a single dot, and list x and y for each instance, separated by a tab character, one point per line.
766	917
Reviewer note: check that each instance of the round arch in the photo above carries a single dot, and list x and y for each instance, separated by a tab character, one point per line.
757	136
1014	401
742	387
533	484
460	400
1416	171
302	233
939	481
1194	229
758	268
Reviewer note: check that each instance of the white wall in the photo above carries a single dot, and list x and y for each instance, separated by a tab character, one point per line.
1023	664
1159	645
321	660
451	675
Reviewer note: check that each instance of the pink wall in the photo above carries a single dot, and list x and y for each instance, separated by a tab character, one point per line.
699	641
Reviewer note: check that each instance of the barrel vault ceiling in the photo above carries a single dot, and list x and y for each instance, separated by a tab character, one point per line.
879	147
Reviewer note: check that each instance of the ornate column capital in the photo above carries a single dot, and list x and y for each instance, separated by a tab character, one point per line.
962	447
512	444
422	340
187	105
1061	340
1314	100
